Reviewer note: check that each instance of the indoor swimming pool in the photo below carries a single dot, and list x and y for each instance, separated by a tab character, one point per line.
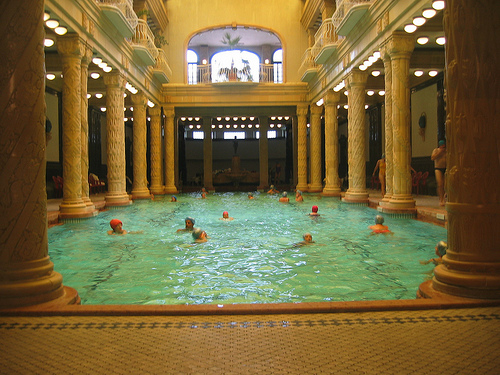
251	259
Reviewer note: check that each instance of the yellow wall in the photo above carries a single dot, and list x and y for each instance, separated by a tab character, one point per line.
186	17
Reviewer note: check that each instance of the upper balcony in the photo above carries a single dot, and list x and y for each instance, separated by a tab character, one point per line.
205	74
348	13
121	14
161	69
326	43
143	43
308	69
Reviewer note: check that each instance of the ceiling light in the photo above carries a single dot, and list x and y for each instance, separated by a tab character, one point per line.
204	61
51	23
281	117
346	93
132	109
279	125
429	13
346	106
273	118
97	60
308	125
196	119
287	118
125	119
422	40
249	126
319	103
227	118
418	73
50	76
376	54
361	67
98	95
213	126
242	125
183	119
151	104
190	126
60	30
124	94
46	16
433	73
220	126
235	126
257	125
381	92
102	65
368	63
266	61
438	4
419	21
370	92
271	125
94	75
376	73
190	119
107	69
410	28
252	118
103	109
219	118
372	59
89	96
243	118
235	118
366	106
441	40
48	42
198	126
228	126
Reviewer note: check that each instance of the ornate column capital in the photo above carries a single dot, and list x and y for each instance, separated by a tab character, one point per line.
316	110
170	112
302	109
70	45
356	77
331	98
155	111
114	79
400	45
139	99
87	52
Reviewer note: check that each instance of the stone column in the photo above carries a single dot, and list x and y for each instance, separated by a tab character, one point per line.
115	146
295	132
356	83
302	147
263	153
86	58
156	159
332	186
207	154
471	266
140	183
27	275
400	46
316	184
389	158
170	187
71	48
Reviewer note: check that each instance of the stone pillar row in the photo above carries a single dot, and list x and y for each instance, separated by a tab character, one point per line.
139	145
170	129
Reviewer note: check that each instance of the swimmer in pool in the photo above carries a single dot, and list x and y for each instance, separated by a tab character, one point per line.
272	190
441	248
225	216
173	199
298	196
379	227
250	196
308	239
117	228
199	235
284	198
314	211
189	221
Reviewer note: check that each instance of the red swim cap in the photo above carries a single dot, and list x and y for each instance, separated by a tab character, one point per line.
114	223
315	209
225	213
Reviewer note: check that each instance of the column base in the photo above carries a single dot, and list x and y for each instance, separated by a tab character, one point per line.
141	194
157	190
173	190
359	197
121	199
398	204
331	192
302	187
314	188
76	210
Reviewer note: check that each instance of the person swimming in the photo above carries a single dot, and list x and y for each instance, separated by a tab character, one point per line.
173	199
225	216
272	190
284	197
379	227
441	248
116	227
199	235
314	211
189	222
250	196
298	196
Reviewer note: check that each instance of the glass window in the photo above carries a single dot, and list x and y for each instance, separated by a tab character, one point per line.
232	135
278	66
270	134
235	65
192	60
198	135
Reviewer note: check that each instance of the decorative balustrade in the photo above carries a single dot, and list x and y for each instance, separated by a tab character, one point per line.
143	43
326	41
121	14
351	9
308	68
161	69
205	74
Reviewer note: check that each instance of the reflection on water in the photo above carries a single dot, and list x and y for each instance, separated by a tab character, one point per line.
251	259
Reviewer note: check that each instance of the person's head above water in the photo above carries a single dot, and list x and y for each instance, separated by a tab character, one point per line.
307	237
442	142
441	248
199	234
189	222
379	219
114	223
314	208
174	198
284	194
225	214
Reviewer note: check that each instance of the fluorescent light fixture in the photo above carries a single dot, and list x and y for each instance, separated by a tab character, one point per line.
410	28
429	13
60	30
50	76
438	4
422	40
52	23
48	42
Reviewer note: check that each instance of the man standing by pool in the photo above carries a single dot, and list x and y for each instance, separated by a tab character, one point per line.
439	157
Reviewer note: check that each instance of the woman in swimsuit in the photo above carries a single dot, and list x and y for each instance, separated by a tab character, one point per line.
381	173
439	157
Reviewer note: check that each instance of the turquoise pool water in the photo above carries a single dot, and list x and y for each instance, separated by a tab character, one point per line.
251	259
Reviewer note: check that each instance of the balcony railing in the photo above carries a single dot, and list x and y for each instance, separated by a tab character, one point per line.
308	69
204	74
161	69
121	14
326	43
348	13
143	43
